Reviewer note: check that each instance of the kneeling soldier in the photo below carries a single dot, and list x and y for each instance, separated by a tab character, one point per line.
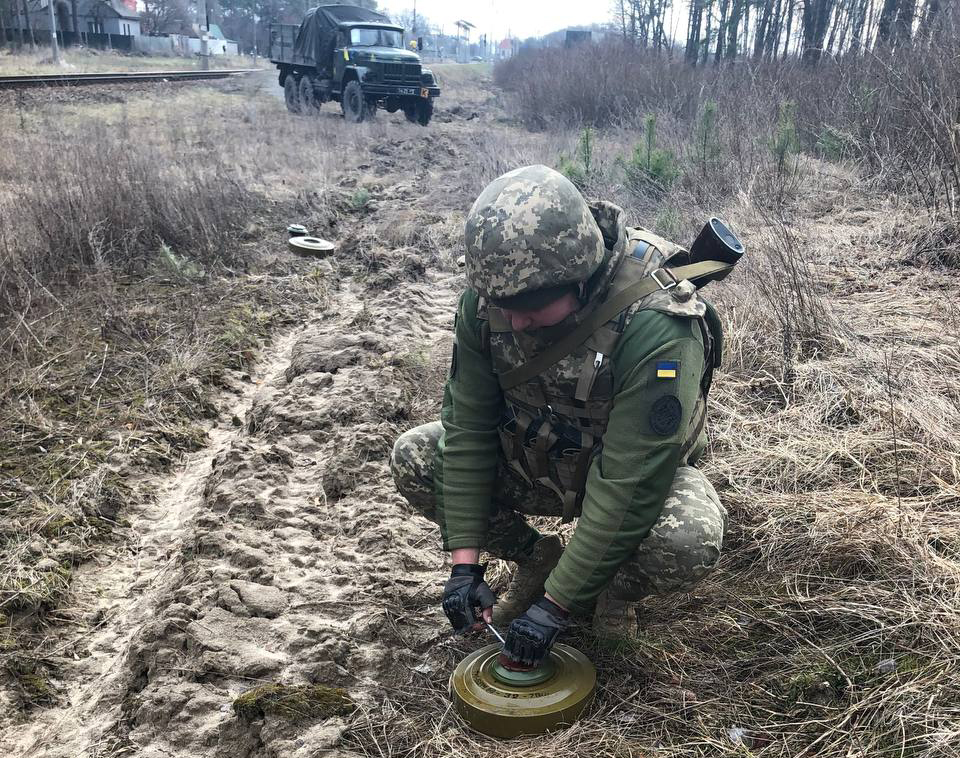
577	389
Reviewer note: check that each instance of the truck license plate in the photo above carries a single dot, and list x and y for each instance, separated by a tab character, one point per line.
407	91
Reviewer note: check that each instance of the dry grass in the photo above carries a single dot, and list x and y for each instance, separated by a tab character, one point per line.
141	267
24	62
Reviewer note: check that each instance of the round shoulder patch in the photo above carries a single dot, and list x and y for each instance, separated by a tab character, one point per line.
665	415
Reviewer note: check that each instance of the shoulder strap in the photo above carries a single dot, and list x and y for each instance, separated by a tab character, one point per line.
608	309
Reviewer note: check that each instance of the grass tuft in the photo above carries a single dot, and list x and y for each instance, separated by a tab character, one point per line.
295	703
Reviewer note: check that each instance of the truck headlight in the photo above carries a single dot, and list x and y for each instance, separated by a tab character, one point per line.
426	77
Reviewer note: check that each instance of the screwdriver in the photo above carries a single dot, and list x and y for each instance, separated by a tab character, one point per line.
494	632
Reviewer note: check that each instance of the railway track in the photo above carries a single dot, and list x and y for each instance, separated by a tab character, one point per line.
71	80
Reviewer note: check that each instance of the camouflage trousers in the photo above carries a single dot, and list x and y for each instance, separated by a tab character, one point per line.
682	547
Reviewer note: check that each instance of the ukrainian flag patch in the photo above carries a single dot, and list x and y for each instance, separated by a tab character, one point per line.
668	369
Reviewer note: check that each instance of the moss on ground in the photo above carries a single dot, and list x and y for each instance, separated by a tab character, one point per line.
293	702
34	685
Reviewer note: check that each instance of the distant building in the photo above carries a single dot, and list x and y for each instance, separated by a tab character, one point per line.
82	17
507	48
575	37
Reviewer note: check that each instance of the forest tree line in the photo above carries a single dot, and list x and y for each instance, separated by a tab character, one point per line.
770	30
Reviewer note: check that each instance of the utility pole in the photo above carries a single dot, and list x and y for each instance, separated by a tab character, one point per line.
414	30
53	34
205	40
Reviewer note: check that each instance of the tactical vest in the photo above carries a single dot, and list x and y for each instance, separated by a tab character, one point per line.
558	396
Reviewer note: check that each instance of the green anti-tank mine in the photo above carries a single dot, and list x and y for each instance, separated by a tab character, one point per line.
503	703
310	246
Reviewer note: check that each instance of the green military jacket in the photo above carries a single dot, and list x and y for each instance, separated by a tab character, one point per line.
628	479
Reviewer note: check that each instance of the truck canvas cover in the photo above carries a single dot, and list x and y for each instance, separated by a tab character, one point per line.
318	32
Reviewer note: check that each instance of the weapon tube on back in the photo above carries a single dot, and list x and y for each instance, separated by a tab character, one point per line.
716	242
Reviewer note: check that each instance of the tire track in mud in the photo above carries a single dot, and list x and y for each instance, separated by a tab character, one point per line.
291	573
118	590
282	553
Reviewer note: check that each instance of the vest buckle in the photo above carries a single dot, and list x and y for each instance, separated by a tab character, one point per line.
669	280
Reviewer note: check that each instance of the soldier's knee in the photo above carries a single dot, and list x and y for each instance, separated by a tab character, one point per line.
684	547
411	464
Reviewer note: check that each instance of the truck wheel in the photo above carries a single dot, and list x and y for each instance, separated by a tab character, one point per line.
290	94
308	97
355	106
419	112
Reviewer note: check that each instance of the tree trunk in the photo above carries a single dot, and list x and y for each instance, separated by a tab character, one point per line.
843	45
774	29
833	28
762	23
931	19
903	26
721	32
26	20
661	35
693	32
733	30
746	27
705	43
786	41
15	18
885	24
816	16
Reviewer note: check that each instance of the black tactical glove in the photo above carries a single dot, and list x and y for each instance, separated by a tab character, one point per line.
531	636
466	595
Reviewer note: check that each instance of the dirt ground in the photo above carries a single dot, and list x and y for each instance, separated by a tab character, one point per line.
280	552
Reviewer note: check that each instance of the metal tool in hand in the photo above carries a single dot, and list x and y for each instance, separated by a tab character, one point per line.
494	632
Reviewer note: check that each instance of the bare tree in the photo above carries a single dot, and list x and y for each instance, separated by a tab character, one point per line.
29	25
161	15
733	28
721	32
903	25
695	20
815	18
789	30
885	23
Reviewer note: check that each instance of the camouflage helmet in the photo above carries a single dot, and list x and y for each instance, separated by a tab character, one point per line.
530	231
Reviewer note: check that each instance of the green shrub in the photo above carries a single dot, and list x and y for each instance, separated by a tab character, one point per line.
707	139
580	168
360	198
650	170
786	141
835	144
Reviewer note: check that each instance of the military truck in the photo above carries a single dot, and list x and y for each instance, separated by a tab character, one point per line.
352	56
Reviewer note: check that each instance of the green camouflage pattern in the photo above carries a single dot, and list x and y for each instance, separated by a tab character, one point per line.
682	548
509	536
530	229
684	544
554	388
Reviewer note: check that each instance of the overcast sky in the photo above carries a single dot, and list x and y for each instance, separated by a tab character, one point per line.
522	18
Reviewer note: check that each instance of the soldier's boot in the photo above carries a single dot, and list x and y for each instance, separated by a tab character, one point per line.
527	583
614	618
